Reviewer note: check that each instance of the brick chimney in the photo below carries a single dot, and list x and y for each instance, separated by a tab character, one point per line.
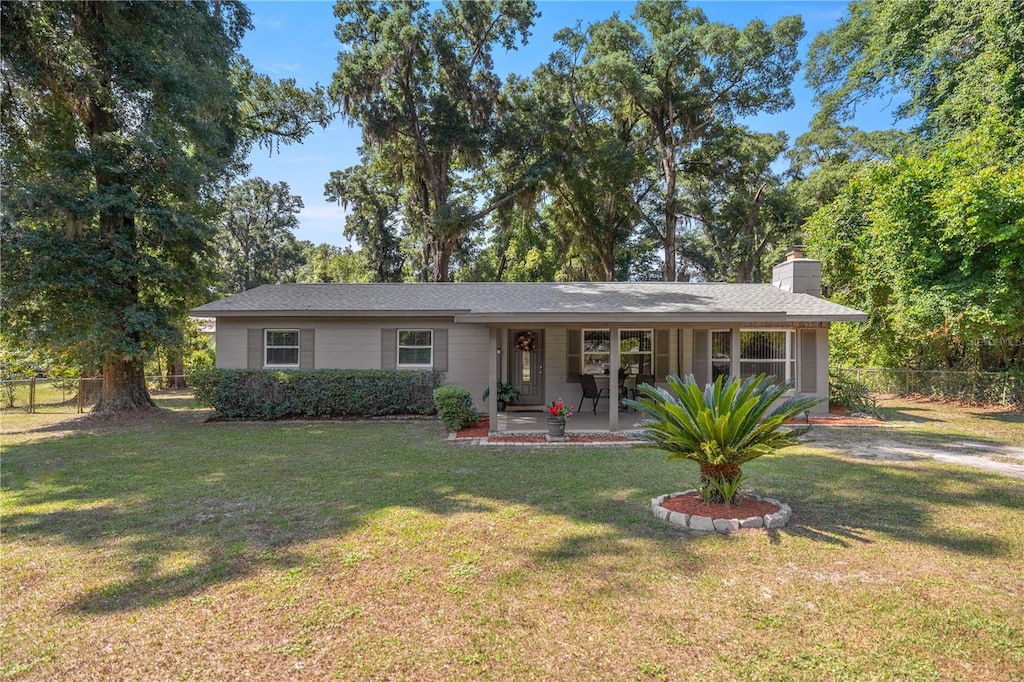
798	274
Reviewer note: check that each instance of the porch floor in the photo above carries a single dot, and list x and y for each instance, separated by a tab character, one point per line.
520	422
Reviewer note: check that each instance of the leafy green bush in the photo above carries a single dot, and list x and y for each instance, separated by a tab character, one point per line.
256	394
845	391
455	407
720	427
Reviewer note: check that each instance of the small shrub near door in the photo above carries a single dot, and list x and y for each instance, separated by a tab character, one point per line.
455	407
255	394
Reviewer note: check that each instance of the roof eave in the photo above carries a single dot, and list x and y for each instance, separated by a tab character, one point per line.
205	312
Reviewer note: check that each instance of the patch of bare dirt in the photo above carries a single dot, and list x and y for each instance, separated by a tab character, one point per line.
898	445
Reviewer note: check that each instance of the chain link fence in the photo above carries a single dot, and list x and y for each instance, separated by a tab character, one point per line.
66	396
975	388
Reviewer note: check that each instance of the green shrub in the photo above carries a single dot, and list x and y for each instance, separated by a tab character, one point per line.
721	426
256	394
845	391
455	407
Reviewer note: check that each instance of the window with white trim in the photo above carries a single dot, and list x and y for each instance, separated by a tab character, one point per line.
636	351
767	351
281	348
597	350
415	347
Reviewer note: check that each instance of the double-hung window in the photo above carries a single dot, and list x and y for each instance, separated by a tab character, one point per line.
597	350
767	351
415	348
281	347
636	351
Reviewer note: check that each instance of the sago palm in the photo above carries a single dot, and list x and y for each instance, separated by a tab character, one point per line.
720	427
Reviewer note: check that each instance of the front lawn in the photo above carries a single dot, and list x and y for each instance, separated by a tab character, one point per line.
170	548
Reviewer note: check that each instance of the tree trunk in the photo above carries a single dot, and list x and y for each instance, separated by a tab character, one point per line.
442	261
750	259
668	273
175	370
124	387
719	473
608	264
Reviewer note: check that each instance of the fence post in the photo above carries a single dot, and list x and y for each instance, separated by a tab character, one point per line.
32	395
81	393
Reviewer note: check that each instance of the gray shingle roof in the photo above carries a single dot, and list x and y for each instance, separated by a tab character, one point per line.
493	301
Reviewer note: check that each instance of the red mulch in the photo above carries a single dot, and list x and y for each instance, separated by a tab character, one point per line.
478	430
741	508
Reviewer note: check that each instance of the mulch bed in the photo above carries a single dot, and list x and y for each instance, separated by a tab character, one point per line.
741	508
478	430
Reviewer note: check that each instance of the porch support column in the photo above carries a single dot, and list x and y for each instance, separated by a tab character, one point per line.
734	351
492	381
613	382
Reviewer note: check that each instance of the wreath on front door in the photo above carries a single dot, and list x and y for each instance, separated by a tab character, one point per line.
526	341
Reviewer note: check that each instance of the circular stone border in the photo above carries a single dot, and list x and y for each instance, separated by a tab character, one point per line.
707	524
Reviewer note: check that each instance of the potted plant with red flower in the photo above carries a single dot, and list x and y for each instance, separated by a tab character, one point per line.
558	414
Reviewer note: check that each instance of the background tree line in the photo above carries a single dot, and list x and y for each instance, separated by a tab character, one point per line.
624	156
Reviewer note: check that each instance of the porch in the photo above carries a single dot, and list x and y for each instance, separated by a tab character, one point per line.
585	421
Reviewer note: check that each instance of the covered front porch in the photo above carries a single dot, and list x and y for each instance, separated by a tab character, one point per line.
548	361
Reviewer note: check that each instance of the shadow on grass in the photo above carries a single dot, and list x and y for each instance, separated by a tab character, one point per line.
906	414
237	498
844	503
174	510
1007	417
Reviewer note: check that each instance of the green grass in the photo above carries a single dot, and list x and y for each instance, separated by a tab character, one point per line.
171	548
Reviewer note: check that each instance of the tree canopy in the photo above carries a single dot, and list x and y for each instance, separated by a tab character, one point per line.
121	121
629	153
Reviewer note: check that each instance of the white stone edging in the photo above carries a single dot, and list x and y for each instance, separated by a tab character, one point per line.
707	524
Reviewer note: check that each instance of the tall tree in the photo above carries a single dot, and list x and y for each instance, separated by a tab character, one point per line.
684	76
375	218
932	248
597	156
116	117
255	240
949	63
121	120
424	82
740	206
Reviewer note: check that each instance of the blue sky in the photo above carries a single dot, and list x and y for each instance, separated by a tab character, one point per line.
296	40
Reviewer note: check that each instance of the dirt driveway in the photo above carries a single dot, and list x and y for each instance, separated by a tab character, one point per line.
984	438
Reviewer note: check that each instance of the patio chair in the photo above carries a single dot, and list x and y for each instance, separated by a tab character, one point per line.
641	379
590	390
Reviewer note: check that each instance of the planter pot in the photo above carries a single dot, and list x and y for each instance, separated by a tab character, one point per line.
556	427
502	405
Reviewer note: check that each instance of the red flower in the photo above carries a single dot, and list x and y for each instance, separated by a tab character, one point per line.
557	408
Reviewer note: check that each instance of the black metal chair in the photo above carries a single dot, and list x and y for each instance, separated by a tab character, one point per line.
641	379
590	390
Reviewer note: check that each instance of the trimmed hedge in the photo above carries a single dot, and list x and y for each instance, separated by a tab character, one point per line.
257	394
455	407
